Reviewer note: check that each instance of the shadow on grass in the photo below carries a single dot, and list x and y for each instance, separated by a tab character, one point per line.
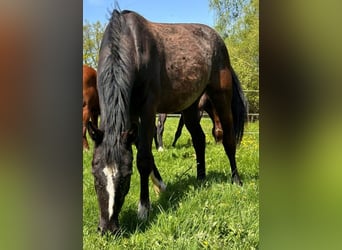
168	201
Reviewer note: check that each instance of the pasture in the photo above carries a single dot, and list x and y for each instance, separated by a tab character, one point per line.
213	214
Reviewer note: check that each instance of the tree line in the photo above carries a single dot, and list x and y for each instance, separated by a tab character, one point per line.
237	21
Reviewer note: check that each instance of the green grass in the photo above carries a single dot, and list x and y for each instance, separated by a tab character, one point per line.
189	215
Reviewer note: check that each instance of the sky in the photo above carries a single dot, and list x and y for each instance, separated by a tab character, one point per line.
169	11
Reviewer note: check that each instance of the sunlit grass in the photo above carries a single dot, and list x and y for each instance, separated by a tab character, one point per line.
189	215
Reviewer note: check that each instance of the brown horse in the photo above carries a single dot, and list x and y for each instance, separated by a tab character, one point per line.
91	108
147	68
203	105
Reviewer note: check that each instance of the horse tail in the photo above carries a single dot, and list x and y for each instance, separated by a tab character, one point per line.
239	108
115	84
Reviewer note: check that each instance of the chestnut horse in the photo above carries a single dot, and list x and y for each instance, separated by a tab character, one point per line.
91	108
203	105
147	68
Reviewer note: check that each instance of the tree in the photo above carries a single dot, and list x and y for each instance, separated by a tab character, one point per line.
227	12
92	35
238	22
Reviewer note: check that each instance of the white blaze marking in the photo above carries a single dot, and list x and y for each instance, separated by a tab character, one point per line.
110	172
159	186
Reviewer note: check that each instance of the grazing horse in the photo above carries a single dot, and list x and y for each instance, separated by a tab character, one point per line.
203	105
147	68
91	108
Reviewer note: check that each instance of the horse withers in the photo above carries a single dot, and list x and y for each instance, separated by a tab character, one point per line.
91	108
147	68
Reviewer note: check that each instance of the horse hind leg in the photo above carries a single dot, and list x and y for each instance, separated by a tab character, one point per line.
222	104
192	123
178	131
228	140
217	131
159	132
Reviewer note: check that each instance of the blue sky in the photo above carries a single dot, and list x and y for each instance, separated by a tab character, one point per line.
171	11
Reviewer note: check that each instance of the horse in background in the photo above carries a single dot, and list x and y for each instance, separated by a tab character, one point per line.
147	68
91	108
203	105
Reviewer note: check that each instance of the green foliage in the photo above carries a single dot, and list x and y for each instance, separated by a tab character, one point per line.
189	215
238	22
227	12
92	36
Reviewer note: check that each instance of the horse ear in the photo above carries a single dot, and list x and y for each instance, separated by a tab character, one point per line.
95	133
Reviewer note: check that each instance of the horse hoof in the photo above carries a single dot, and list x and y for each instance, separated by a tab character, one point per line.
159	188
158	185
236	180
201	177
113	229
143	211
160	149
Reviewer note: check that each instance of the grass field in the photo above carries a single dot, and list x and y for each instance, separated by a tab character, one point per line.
190	215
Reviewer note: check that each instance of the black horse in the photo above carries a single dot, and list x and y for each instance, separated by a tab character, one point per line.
147	68
203	105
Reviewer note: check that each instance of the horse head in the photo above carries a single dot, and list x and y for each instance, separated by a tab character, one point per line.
112	179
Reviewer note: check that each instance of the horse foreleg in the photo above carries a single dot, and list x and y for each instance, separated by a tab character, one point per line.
146	165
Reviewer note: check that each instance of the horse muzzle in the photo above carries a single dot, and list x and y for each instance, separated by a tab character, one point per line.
110	227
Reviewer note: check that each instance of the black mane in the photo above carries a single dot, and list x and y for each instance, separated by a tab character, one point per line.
114	86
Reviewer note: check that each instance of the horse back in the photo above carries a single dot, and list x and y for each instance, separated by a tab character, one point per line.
189	54
171	62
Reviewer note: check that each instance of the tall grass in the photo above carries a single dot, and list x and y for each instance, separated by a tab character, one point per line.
189	215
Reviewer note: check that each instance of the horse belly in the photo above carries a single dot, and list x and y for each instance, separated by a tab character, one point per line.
187	61
180	95
183	85
174	105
